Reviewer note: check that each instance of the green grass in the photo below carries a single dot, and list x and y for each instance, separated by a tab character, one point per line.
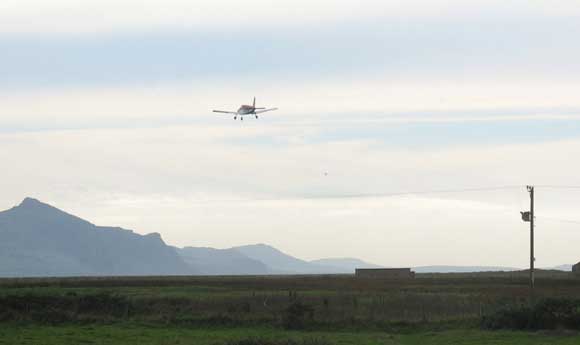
441	310
149	291
155	335
337	301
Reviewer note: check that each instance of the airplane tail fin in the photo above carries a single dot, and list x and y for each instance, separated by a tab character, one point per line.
254	105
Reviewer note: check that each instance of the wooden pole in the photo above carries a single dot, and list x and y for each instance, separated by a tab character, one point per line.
532	258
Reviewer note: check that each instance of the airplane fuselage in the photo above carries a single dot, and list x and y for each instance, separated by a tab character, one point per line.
246	110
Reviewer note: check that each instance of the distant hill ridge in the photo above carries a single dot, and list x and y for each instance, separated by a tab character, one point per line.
210	261
462	269
37	239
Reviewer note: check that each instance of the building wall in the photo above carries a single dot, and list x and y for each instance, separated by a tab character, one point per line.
385	273
576	268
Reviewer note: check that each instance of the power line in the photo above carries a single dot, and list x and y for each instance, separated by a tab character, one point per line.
365	195
441	191
560	220
558	186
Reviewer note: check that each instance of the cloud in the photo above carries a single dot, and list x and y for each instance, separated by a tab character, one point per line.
105	16
358	104
403	50
132	15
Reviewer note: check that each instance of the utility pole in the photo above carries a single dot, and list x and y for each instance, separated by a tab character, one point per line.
528	216
532	257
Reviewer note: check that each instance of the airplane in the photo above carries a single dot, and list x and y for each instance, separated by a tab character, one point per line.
246	110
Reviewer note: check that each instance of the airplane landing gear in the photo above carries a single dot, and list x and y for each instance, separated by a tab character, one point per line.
235	117
256	116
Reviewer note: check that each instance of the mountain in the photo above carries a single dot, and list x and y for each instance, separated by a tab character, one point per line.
209	261
567	268
345	265
260	259
282	263
461	269
37	239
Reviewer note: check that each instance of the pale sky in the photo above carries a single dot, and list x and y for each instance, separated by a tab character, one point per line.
105	112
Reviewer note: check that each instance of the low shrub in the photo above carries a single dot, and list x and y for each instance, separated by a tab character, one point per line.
297	314
546	314
262	341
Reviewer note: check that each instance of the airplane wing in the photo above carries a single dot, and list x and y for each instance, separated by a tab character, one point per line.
225	112
265	110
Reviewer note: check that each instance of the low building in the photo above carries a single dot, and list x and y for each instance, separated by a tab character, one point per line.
576	269
385	273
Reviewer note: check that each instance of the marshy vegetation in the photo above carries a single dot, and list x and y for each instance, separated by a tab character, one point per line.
290	302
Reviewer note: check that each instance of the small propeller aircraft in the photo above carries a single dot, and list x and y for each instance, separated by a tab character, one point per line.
246	110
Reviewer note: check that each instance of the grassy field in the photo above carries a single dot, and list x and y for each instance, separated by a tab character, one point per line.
156	335
311	310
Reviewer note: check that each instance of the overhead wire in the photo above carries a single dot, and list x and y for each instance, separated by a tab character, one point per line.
559	220
367	195
557	186
441	191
